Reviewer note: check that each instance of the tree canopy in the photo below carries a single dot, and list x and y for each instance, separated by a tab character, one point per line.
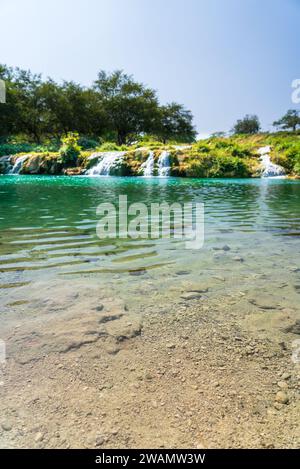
115	107
290	121
248	125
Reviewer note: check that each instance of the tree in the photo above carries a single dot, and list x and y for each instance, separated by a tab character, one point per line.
248	125
116	106
289	121
130	106
175	122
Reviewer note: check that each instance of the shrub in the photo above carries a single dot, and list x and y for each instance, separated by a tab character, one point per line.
87	143
108	146
70	149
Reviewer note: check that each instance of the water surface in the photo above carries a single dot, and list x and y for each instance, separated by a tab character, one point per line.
48	238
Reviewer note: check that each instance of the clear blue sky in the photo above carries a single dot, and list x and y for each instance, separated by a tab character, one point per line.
221	58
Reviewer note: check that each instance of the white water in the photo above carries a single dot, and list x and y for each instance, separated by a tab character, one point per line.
269	169
148	166
18	164
164	167
107	161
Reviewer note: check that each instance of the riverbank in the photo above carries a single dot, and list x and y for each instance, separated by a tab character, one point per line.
236	156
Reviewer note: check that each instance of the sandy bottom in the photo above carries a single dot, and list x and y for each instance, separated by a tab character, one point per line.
86	370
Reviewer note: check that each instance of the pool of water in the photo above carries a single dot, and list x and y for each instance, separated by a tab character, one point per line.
49	246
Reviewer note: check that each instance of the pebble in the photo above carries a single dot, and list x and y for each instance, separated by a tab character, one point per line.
148	376
170	346
282	385
190	296
99	440
218	277
278	406
6	426
286	376
113	350
38	437
281	397
238	259
294	328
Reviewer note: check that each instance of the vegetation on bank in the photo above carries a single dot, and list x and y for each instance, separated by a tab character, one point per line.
63	128
215	157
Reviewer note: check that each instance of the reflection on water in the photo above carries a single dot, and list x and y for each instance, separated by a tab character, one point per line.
47	229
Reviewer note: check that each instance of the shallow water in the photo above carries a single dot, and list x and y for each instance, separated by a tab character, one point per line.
48	242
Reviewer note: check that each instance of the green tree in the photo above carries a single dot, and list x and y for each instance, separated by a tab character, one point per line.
131	108
290	120
248	125
175	123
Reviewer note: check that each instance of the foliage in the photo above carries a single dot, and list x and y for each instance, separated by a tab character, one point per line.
291	120
70	150
87	143
114	107
248	125
175	122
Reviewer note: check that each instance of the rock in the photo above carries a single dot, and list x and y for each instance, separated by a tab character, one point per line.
265	303
199	290
223	248
183	272
190	296
148	376
113	349
278	405
39	437
99	440
281	397
6	426
126	327
294	328
170	346
286	375
238	259
282	385
218	277
137	272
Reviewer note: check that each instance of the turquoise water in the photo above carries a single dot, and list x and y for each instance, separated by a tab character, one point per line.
48	237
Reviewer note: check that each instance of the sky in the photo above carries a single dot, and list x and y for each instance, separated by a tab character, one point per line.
222	59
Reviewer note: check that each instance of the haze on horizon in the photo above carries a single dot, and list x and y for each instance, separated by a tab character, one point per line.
220	58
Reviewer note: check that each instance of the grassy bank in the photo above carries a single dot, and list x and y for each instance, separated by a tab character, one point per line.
215	157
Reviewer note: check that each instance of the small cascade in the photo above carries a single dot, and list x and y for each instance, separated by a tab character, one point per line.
148	167
17	167
269	169
164	167
5	164
107	161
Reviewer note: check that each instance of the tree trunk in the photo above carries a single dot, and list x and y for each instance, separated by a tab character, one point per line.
121	138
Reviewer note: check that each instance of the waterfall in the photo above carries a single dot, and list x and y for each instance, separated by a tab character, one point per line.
107	161
17	167
148	166
269	169
164	164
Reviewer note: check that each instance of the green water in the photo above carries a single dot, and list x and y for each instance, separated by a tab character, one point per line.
48	239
